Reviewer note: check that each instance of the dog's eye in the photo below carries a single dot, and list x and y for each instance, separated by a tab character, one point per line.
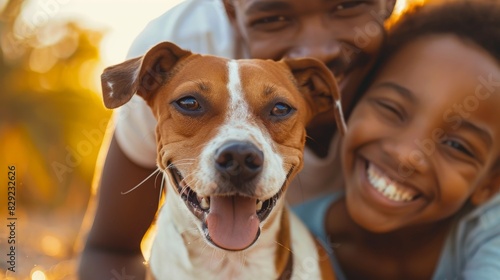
189	103
281	109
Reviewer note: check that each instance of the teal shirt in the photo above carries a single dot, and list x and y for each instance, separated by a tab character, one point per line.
471	250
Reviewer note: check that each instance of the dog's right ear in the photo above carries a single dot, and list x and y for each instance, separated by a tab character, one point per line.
141	75
319	87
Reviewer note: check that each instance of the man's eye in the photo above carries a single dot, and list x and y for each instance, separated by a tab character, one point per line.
188	103
459	147
271	19
280	110
270	23
347	5
350	8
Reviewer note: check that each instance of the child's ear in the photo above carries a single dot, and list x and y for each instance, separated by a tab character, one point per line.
487	190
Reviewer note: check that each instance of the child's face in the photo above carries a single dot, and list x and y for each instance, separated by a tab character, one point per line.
425	137
345	34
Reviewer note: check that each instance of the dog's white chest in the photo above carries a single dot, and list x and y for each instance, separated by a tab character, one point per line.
180	252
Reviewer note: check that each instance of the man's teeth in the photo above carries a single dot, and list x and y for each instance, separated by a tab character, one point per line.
386	187
205	203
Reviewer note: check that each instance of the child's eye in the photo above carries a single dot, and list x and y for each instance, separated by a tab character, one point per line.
388	109
271	23
457	145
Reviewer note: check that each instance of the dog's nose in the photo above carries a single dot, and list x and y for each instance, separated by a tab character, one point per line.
239	161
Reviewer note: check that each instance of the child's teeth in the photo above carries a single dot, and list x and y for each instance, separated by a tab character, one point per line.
381	184
386	187
204	203
258	206
406	197
390	190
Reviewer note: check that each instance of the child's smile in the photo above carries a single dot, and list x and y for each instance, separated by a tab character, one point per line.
388	187
416	152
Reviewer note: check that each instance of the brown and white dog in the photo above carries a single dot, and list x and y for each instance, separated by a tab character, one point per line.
230	137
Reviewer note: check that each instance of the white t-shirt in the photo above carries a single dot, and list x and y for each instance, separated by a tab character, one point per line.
202	27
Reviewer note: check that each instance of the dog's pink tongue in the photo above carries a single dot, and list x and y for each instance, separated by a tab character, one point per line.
232	222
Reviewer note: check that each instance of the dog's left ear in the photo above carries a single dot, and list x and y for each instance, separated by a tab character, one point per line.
141	75
319	87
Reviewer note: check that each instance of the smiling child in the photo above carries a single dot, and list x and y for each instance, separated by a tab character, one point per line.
421	157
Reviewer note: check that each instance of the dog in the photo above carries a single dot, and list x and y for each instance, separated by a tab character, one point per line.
230	137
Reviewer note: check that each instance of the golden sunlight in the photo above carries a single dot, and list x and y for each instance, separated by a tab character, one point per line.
121	25
52	118
402	4
38	275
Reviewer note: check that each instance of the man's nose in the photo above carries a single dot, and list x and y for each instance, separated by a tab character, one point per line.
316	39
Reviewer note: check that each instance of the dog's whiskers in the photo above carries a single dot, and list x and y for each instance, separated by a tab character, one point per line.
281	245
142	182
158	174
191	234
217	260
192	182
185	161
171	166
242	260
183	190
162	185
204	247
195	240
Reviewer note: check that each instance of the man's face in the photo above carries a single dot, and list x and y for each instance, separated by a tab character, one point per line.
345	34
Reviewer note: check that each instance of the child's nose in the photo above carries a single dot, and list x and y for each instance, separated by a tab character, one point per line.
409	155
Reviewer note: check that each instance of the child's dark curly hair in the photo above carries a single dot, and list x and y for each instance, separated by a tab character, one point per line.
475	21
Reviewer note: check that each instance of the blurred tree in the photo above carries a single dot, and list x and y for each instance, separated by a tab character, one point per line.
51	120
52	123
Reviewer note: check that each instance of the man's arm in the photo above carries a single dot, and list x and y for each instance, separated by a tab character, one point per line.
121	220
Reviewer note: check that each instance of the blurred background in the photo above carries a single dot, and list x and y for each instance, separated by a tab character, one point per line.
53	122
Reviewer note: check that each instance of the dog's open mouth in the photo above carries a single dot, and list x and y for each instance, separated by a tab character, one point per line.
230	222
